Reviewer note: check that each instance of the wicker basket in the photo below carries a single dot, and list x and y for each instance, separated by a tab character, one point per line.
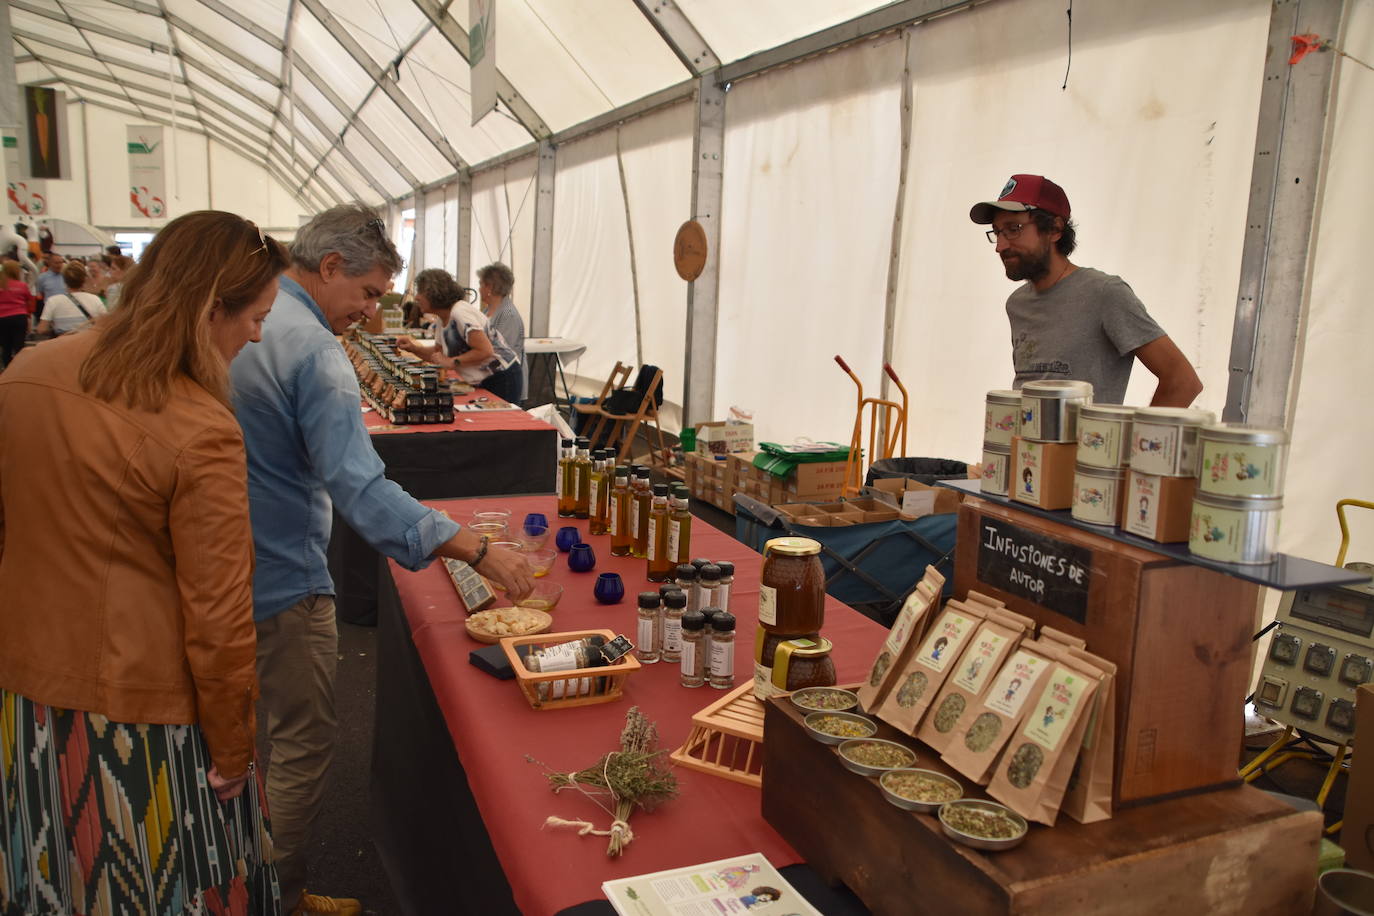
565	689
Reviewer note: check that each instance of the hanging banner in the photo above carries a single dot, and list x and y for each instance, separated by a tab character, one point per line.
147	174
482	56
27	196
45	119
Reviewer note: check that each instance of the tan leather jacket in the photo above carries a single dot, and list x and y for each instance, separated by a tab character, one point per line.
126	557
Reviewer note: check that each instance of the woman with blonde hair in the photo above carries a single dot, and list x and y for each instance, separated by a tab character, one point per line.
127	643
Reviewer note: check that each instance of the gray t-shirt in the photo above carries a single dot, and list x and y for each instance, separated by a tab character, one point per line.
1085	327
506	319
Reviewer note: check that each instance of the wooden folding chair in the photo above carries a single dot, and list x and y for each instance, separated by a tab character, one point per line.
619	378
622	426
887	416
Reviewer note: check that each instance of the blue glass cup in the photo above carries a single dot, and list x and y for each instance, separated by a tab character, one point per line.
581	558
566	538
536	520
609	589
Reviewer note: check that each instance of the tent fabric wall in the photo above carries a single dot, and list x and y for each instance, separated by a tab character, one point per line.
503	225
1158	180
811	171
1331	440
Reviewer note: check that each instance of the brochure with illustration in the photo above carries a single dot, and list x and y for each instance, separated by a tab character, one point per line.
740	885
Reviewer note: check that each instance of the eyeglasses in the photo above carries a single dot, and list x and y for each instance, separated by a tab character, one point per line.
261	238
1008	232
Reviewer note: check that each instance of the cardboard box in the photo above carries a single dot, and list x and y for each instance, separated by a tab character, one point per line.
741	465
1042	472
915	499
721	438
1158	508
817	480
1357	834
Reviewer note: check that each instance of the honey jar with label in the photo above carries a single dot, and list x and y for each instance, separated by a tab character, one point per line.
792	587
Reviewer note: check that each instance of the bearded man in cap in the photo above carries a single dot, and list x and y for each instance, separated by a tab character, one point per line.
1071	322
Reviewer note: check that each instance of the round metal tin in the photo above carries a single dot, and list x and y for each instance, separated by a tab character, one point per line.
1234	529
1164	440
1049	409
1242	460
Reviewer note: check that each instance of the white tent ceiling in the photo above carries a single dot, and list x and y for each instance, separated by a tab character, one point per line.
368	100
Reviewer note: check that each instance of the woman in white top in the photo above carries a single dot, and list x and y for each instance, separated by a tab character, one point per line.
465	341
67	313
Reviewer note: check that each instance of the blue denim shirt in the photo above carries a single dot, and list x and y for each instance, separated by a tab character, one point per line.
51	284
297	400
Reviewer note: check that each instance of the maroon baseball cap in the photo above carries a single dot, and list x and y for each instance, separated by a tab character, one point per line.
1024	192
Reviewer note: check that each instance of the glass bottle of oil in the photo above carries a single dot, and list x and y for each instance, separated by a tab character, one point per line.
640	513
679	526
600	489
582	469
660	563
567	483
622	536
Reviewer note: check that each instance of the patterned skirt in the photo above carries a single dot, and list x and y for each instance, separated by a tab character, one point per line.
99	818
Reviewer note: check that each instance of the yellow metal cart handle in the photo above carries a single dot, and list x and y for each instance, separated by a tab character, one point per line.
1345	529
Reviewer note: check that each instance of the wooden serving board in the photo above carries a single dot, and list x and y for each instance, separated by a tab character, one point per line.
1229	851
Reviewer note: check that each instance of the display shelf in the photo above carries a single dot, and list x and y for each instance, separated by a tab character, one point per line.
1285	573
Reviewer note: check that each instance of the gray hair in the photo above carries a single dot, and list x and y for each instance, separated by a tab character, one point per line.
356	232
501	277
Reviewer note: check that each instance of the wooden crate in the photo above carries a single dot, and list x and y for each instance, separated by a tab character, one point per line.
531	682
1231	851
1179	634
726	737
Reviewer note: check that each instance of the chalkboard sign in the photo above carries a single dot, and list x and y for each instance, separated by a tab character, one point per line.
1042	569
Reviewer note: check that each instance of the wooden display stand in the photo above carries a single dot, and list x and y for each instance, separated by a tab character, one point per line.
1179	634
725	738
1230	851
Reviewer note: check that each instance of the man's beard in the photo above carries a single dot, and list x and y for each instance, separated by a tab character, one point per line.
1028	266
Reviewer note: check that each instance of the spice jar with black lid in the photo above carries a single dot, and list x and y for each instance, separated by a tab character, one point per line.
693	661
650	630
722	651
674	606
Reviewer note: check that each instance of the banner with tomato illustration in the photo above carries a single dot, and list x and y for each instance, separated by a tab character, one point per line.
147	172
45	117
26	196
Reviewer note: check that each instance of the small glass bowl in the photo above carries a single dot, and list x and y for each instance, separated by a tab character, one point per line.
541	561
545	596
533	537
492	515
496	531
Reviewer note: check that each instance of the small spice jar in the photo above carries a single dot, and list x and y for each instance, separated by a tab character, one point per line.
693	661
708	578
650	628
1000	413
727	580
709	615
792	586
686	578
723	651
674	606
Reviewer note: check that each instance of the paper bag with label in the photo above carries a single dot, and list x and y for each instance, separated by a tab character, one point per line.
925	671
1052	635
1033	772
904	636
1089	797
994	640
986	727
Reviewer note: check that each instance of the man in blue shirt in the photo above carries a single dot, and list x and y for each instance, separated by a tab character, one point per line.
298	402
50	282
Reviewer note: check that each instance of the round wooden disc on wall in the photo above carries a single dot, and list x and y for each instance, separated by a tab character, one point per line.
689	250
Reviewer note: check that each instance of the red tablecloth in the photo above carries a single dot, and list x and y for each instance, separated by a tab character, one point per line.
463	421
494	728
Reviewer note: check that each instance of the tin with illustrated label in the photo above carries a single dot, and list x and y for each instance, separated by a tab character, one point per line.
1097	494
1242	461
1104	435
1164	440
1234	529
1000	413
996	468
1049	409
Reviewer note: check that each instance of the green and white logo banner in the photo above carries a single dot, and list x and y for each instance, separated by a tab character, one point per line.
482	56
27	196
147	172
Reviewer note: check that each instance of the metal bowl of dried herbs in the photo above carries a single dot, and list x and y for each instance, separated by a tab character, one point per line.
838	727
919	790
825	699
874	756
982	824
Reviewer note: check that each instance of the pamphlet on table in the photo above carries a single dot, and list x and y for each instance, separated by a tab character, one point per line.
743	884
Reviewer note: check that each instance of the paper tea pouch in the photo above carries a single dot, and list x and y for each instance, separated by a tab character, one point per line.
1059	636
904	636
920	678
986	600
1033	772
1089	797
986	727
994	640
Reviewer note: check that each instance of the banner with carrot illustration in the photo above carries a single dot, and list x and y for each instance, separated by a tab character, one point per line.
45	117
147	172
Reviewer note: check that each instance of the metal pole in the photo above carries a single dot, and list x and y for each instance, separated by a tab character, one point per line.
708	151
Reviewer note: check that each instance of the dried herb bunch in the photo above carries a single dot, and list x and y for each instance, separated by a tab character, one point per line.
636	776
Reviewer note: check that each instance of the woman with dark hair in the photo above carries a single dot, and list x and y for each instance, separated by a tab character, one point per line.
127	645
465	341
68	312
